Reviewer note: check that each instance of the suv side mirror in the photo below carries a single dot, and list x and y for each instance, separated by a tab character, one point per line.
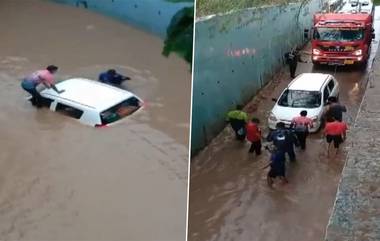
373	36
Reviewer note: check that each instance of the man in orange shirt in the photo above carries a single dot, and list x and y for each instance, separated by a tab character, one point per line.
254	136
335	131
301	125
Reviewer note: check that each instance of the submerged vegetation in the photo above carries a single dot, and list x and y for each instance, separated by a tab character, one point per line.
179	37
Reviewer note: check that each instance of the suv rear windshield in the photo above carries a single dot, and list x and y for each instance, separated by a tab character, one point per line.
300	99
121	110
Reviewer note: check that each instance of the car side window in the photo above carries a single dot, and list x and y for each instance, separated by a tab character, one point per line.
69	111
326	94
331	85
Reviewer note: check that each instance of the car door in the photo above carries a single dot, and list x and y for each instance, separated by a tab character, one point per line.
332	85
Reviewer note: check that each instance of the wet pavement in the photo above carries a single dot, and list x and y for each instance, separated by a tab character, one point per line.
61	180
229	197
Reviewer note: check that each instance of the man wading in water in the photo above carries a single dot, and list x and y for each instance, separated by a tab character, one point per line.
45	77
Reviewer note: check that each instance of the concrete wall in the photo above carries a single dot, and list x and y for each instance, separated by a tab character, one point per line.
151	15
234	56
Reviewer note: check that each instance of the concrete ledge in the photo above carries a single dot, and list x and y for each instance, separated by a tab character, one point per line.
356	214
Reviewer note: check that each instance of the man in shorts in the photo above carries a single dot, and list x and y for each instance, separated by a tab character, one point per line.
335	131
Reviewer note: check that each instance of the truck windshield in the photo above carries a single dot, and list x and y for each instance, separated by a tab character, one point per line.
334	34
121	110
300	99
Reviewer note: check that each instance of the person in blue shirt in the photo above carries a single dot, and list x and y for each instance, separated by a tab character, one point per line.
284	140
112	77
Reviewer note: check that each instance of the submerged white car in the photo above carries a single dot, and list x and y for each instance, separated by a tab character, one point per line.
91	102
308	92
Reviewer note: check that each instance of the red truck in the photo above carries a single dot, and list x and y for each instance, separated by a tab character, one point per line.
342	38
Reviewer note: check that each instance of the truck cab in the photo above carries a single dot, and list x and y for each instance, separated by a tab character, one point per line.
342	38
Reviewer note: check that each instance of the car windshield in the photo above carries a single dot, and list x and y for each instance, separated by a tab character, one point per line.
334	34
300	99
120	110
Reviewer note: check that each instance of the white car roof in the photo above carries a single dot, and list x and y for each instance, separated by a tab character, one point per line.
88	93
309	82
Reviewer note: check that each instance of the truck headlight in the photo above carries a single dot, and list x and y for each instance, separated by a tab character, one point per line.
357	52
316	52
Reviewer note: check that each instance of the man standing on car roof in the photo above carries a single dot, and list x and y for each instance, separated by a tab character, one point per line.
45	77
112	77
238	120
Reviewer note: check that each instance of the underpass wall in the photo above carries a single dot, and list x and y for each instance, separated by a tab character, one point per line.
235	55
151	15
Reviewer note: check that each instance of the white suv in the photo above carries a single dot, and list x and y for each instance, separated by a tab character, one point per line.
308	92
91	102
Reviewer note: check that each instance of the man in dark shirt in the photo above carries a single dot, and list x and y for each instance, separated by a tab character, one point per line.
334	109
284	140
112	77
277	167
292	58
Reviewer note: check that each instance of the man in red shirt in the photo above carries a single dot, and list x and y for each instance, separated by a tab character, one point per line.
335	131
254	136
301	125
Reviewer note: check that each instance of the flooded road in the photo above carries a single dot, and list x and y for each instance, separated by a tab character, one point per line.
229	196
61	180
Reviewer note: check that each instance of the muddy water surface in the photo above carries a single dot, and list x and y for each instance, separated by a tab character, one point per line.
60	180
229	198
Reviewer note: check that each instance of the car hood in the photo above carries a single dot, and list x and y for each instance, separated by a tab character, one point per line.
288	113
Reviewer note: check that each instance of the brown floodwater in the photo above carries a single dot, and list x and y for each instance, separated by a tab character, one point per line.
61	180
229	197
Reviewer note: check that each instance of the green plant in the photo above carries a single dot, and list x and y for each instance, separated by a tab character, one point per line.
179	37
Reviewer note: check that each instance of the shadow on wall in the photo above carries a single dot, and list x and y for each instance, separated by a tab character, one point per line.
151	15
235	55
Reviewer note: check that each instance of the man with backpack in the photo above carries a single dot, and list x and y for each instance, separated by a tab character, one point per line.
284	140
301	125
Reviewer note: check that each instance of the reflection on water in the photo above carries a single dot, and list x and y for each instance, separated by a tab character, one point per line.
61	180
